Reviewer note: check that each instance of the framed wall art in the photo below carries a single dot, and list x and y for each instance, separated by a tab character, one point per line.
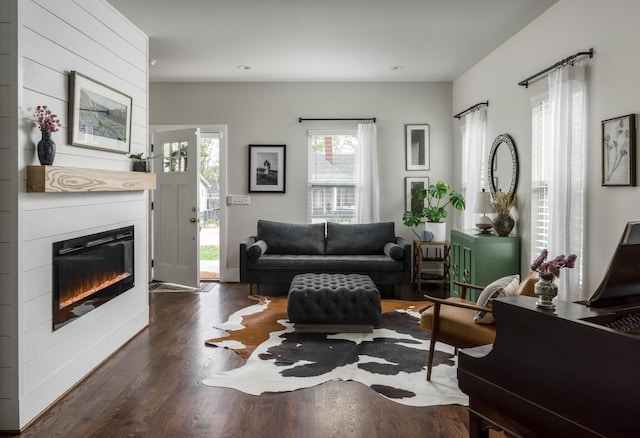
417	146
619	151
99	116
411	186
267	169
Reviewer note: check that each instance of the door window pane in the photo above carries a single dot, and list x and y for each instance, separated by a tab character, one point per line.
174	156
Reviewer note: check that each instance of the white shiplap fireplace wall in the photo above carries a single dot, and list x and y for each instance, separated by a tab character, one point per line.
40	42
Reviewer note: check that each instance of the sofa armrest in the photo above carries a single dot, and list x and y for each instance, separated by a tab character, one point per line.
463	304
403	243
406	259
244	257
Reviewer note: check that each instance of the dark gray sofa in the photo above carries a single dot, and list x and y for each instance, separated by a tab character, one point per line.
279	251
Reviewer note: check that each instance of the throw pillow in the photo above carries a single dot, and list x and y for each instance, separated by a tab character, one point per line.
394	251
502	287
257	249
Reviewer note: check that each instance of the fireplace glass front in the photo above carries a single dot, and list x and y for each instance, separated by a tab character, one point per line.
88	271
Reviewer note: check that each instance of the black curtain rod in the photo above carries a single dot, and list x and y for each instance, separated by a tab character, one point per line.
565	61
300	120
471	108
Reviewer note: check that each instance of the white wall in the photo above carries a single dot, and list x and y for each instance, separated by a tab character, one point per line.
53	38
267	113
568	27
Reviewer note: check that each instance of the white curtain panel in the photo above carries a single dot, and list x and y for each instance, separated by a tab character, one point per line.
474	157
367	181
566	158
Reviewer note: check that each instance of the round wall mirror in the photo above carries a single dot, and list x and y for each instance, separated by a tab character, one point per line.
503	165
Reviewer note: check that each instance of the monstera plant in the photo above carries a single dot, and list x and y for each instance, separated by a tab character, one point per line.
437	198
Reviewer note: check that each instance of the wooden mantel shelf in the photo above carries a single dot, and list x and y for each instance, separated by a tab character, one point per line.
76	179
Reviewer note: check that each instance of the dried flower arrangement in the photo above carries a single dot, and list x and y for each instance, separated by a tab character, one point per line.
552	267
503	202
48	121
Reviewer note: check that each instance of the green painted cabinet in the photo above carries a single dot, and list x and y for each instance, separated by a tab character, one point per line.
481	258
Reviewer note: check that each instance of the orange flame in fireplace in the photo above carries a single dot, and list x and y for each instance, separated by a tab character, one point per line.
77	295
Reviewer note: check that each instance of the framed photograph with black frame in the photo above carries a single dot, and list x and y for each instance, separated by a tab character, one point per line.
99	116
417	146
411	186
619	151
267	168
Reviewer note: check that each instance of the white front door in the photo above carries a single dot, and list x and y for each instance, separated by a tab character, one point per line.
176	229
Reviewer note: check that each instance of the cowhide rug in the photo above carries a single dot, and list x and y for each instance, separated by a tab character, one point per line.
391	360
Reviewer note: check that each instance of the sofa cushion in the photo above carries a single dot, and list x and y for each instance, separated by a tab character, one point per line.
346	239
329	263
284	238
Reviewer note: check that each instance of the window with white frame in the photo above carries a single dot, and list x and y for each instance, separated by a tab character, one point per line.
558	172
539	175
332	176
542	178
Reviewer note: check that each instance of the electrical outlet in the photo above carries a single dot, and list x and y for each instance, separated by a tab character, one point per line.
240	200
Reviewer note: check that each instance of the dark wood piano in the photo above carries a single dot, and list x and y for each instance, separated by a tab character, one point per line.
572	372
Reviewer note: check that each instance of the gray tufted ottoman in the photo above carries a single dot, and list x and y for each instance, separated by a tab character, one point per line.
333	303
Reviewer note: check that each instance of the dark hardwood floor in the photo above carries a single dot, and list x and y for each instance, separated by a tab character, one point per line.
152	388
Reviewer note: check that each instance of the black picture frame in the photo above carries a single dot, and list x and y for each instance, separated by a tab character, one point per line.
412	184
619	151
267	168
417	146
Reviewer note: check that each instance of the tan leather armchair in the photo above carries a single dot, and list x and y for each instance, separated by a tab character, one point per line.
451	320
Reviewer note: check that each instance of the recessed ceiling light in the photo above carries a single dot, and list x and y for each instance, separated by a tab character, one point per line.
244	67
397	67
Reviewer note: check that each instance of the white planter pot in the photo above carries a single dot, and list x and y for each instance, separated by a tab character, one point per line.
438	229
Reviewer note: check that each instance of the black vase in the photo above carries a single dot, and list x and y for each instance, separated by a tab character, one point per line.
46	149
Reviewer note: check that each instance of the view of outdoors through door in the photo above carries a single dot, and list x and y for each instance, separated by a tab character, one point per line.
209	192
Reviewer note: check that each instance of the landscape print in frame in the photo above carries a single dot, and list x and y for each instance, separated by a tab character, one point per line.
99	116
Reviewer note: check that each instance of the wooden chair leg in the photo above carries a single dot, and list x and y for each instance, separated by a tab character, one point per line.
435	325
432	346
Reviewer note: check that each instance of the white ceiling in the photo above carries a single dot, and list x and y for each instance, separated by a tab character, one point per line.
323	40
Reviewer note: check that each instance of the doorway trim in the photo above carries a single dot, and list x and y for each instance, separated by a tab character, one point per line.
222	131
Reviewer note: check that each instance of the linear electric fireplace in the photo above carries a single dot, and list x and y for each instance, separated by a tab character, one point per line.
88	271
